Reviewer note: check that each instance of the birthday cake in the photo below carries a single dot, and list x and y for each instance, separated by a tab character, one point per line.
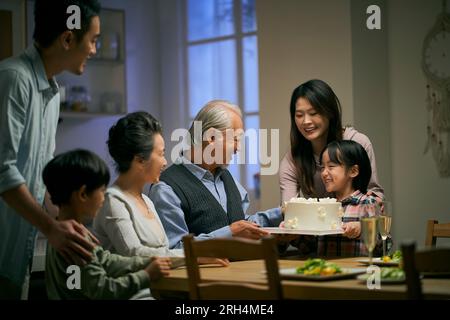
313	214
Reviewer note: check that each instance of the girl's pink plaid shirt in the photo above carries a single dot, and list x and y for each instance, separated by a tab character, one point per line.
356	206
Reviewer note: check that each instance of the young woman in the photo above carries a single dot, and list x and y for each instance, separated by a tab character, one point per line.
316	116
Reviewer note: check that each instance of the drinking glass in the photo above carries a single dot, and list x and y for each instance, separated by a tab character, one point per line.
369	233
385	222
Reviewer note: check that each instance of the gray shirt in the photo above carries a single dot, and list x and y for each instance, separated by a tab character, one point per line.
29	112
106	276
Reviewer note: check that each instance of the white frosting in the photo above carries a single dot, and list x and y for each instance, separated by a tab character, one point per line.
313	200
310	214
291	224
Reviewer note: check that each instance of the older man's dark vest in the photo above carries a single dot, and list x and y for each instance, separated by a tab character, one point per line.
202	212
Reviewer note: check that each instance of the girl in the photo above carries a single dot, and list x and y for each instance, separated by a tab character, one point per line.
345	171
315	121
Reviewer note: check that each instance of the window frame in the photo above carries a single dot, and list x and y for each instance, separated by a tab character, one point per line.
238	36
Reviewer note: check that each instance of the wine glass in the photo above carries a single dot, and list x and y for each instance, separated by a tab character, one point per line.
369	232
384	222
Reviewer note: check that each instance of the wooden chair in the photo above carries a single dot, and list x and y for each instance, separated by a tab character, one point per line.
436	230
234	249
433	261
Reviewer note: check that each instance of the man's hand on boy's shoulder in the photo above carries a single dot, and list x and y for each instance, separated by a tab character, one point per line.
71	240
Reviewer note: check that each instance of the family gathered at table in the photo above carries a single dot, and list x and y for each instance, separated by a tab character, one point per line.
125	239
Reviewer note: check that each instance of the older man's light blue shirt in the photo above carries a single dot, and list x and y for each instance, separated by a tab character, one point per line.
168	206
29	112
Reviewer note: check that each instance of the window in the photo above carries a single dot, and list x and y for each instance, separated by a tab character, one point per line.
221	59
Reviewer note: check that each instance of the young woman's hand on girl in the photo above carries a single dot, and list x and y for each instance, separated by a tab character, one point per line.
352	230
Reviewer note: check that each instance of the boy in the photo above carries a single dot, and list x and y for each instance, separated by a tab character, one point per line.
76	181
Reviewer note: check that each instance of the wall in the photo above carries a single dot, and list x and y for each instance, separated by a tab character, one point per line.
371	86
299	40
172	72
419	193
377	76
142	43
18	23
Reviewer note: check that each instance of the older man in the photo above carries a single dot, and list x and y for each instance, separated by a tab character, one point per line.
197	194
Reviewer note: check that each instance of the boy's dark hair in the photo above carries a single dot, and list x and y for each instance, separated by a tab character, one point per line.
50	19
349	153
69	171
132	135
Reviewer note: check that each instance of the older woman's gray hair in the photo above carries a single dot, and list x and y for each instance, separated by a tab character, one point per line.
215	114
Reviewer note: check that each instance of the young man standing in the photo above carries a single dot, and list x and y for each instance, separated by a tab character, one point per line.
29	112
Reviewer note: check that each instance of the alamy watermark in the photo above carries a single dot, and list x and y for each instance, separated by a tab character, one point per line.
74	277
373	22
374	279
255	146
74	20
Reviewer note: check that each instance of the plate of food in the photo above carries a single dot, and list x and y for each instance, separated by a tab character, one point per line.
393	259
320	270
387	275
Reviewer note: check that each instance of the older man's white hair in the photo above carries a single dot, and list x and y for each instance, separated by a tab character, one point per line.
215	114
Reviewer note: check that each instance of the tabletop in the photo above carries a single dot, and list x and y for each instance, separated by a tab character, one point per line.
252	271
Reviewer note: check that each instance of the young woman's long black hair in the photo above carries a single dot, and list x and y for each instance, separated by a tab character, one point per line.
326	103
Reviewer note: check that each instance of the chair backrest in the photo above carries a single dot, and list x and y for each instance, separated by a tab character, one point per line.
430	261
436	230
233	249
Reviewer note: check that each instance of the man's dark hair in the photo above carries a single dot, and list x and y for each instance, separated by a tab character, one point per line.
50	19
69	171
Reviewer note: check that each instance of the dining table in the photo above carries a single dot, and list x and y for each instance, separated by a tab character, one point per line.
175	286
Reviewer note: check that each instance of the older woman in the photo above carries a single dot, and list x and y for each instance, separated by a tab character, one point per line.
128	223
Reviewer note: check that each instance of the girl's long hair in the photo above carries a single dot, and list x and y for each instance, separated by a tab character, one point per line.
326	103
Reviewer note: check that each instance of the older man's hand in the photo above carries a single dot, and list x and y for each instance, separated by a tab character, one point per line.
247	229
